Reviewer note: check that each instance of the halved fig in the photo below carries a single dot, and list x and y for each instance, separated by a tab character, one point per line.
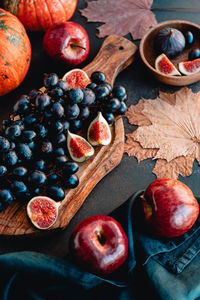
164	65
189	67
99	131
42	211
77	78
79	149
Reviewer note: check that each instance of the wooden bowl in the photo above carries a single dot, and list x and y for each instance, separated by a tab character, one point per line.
149	55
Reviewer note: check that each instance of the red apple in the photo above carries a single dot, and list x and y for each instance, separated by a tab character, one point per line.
100	244
67	42
170	207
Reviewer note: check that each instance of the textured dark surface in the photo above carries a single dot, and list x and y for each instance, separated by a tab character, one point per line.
129	176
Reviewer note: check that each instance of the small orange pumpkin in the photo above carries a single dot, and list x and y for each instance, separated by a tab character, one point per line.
41	14
15	52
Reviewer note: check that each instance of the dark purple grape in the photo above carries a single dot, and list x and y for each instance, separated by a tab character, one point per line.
13	132
60	161
31	145
6	123
22	106
19	188
46	147
113	105
37	179
64	85
59	151
4	144
106	84
20	123
19	172
51	80
70	182
40	165
194	54
109	117
98	77
40	130
55	192
75	96
24	152
57	127
189	38
119	92
60	139
84	113
76	125
101	92
72	111
42	101
69	168
122	109
30	120
12	145
3	171
57	110
88	97
33	94
28	136
56	93
6	198
52	178
91	86
10	158
66	125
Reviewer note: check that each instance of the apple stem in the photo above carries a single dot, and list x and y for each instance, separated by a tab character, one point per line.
76	46
101	237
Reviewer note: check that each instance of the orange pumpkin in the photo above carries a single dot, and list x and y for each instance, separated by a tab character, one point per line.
41	14
15	52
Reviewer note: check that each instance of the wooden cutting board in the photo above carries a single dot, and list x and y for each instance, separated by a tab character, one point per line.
115	55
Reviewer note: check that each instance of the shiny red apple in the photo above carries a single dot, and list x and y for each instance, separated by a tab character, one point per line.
67	42
170	207
100	244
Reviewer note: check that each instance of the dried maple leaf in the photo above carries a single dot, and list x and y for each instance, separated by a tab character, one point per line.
121	16
172	131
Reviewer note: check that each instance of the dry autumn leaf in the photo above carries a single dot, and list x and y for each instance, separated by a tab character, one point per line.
121	16
168	130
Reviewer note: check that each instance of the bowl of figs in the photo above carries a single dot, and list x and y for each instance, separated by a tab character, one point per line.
171	51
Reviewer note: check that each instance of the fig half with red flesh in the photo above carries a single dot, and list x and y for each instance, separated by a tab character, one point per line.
189	67
99	131
164	65
76	78
79	149
42	211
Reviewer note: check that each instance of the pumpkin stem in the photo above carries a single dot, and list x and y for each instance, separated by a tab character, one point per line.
171	32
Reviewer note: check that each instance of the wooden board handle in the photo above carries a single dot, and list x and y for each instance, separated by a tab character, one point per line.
116	54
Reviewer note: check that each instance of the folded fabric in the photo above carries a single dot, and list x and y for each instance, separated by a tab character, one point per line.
167	268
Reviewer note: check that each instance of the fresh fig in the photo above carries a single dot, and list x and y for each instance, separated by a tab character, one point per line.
169	41
76	78
189	67
79	149
42	211
164	65
99	131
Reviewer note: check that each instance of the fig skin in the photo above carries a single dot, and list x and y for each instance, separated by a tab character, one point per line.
169	41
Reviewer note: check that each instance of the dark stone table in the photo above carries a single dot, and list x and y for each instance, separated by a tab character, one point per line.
129	176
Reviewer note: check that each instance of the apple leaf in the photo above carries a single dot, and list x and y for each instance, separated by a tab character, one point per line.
168	130
121	17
